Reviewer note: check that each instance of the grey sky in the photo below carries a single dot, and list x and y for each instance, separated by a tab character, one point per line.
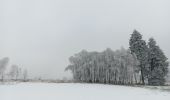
41	35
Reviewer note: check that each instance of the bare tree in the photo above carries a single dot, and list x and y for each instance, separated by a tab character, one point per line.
3	64
25	75
14	72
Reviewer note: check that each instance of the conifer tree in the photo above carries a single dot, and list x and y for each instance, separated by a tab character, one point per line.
158	64
140	49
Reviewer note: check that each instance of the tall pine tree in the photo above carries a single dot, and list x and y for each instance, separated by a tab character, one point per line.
158	64
140	49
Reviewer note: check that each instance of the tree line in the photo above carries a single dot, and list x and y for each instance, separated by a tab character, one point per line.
143	63
116	67
14	73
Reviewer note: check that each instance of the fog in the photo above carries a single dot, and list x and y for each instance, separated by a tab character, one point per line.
40	35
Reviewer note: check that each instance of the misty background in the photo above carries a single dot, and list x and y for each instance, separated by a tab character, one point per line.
40	35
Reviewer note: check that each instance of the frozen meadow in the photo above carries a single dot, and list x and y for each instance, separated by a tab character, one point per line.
78	91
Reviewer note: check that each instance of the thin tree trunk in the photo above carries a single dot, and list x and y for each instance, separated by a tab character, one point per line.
142	77
2	77
135	78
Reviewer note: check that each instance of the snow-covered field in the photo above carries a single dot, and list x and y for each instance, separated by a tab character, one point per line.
76	91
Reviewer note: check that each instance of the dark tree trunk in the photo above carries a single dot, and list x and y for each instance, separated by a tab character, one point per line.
142	77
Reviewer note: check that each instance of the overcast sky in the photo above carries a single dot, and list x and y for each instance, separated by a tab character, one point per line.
41	35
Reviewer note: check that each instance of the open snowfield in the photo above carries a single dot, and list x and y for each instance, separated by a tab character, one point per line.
76	91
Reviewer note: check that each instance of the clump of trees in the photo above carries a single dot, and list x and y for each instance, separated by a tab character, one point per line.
153	62
13	73
143	63
116	67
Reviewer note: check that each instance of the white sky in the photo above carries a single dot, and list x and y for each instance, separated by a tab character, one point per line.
41	35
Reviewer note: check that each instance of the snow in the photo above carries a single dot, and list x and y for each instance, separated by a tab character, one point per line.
78	91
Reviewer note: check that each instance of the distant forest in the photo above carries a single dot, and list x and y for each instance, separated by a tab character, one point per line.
142	63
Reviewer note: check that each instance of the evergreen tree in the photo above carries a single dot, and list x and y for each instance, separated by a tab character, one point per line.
158	64
140	49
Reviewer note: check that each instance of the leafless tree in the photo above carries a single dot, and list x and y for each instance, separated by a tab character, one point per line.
25	75
3	65
14	72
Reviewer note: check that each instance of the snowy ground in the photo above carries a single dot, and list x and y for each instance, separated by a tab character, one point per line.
76	91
